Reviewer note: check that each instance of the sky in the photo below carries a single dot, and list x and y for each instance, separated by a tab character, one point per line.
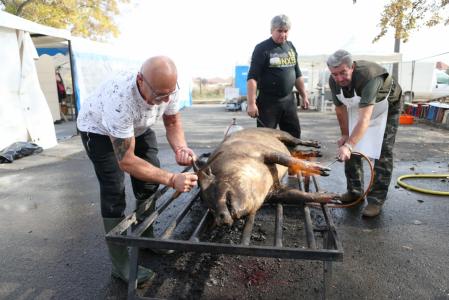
209	38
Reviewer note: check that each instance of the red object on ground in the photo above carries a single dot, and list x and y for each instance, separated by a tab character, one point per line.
406	120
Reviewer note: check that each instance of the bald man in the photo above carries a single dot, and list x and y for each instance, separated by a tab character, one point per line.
115	124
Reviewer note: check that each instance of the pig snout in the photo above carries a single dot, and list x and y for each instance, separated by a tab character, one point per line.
222	215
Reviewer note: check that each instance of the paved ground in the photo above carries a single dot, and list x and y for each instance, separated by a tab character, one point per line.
52	242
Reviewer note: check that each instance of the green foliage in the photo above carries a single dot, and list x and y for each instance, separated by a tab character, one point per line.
405	16
86	18
208	92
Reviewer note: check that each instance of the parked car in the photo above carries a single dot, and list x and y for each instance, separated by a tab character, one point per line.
237	103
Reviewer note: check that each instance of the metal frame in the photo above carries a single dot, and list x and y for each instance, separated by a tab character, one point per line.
331	250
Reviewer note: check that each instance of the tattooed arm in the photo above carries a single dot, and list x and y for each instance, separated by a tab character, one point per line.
134	165
143	170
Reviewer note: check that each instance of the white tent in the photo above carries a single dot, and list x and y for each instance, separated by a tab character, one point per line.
28	97
24	112
94	62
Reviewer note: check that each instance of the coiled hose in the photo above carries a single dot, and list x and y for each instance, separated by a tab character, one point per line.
362	197
421	190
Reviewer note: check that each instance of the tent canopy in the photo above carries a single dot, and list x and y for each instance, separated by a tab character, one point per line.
10	21
24	111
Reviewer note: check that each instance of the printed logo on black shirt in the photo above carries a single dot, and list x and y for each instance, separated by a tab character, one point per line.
283	60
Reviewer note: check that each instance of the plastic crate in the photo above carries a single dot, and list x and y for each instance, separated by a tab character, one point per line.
406	120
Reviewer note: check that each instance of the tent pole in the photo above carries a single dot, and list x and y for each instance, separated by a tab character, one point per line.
72	72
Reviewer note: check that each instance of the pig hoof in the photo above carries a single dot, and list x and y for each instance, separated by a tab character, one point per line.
324	172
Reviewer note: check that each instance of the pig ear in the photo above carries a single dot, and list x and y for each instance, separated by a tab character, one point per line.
206	178
206	175
199	164
208	172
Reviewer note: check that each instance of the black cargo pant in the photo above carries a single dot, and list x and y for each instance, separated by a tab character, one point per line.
274	111
111	177
383	167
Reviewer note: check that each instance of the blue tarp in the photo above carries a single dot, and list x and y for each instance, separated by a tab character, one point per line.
52	51
241	74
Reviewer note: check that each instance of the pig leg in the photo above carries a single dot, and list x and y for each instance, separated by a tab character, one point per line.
291	141
295	165
286	195
305	154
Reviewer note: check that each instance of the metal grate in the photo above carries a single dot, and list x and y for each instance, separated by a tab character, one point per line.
330	249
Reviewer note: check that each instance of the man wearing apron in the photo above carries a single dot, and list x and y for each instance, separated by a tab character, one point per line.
367	101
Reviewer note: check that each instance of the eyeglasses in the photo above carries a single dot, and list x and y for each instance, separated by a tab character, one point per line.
158	98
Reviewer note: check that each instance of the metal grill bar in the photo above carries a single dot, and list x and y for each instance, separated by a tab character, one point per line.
151	218
217	248
300	182
128	221
315	183
123	226
201	226
278	225
332	230
306	183
310	237
171	227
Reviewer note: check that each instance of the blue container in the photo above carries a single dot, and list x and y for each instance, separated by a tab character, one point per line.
241	73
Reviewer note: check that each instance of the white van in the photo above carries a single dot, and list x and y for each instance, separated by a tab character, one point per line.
422	81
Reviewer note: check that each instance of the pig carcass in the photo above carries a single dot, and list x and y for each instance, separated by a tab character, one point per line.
246	170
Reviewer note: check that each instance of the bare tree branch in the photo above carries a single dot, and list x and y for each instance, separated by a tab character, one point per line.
21	6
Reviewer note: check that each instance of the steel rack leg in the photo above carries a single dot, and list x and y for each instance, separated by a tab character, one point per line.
132	279
327	266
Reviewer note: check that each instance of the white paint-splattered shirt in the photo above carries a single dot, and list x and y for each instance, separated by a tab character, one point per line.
117	109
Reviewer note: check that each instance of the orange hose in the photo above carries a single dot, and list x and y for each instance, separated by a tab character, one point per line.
356	202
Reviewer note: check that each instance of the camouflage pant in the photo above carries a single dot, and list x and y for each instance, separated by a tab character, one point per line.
383	166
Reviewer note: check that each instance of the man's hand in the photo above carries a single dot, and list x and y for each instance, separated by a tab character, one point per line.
344	153
184	156
183	182
306	103
252	110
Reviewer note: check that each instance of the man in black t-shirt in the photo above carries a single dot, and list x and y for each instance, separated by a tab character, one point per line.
274	71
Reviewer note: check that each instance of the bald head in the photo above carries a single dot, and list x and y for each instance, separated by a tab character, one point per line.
160	71
157	80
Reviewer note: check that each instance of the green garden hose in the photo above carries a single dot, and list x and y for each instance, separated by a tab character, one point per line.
421	190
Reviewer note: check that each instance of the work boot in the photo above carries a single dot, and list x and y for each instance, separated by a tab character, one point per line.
120	257
349	197
372	210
